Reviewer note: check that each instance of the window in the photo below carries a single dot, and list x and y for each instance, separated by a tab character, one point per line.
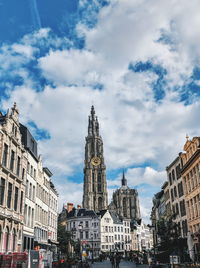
173	175
32	145
12	159
86	224
13	128
30	191
175	192
18	165
170	178
178	171
31	171
182	208
2	190
86	235
33	197
21	201
16	198
180	189
177	209
81	235
99	183
32	218
15	131
28	167
5	155
172	195
124	207
23	172
9	194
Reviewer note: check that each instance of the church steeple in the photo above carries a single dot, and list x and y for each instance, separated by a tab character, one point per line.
124	180
93	124
95	195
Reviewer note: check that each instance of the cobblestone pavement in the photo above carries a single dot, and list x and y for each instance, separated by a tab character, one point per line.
123	264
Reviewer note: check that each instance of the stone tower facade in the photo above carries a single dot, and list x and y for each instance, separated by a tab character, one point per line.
95	194
126	202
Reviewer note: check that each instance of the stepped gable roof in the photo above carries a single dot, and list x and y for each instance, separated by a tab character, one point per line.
81	213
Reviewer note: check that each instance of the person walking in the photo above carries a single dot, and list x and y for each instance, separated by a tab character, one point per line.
118	259
112	260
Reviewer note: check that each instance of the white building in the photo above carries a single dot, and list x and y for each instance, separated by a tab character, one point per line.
84	225
107	231
41	199
30	181
115	233
53	214
142	238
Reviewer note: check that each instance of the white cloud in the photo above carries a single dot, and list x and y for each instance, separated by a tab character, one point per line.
135	128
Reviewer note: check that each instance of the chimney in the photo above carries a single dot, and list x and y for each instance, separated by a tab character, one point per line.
70	207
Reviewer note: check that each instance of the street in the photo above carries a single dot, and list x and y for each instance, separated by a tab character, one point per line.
123	264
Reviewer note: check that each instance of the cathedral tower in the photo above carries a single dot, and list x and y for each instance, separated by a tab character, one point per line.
95	194
126	201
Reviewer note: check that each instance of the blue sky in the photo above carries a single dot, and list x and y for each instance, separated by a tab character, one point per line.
136	61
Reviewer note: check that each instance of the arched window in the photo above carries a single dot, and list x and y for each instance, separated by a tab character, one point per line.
14	240
7	239
94	203
99	183
100	203
124	207
93	181
130	206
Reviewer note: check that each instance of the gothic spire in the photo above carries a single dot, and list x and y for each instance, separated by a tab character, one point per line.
92	112
93	124
124	180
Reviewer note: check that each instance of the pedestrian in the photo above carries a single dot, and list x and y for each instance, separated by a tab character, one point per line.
118	259
112	260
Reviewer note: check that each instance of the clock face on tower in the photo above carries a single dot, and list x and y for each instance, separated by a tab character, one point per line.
96	161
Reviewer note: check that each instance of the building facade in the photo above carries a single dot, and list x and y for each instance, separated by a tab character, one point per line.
28	199
191	180
41	226
175	197
142	238
115	233
31	177
125	202
53	215
84	226
95	196
13	159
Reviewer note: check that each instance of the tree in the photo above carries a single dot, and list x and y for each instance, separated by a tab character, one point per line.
64	239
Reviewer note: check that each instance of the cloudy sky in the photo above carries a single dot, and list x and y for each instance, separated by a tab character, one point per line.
137	62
